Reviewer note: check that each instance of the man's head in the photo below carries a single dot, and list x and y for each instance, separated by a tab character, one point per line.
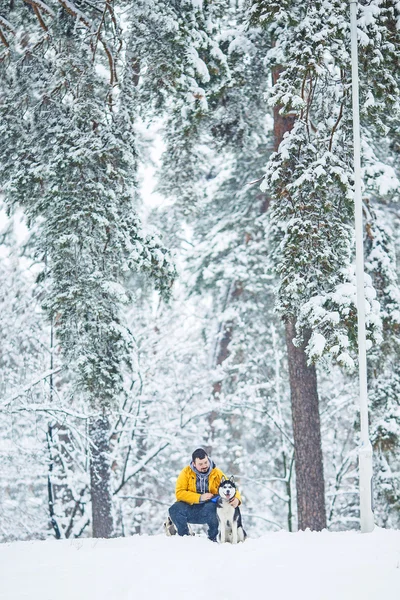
200	460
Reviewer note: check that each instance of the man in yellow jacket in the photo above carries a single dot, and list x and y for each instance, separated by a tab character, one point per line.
196	488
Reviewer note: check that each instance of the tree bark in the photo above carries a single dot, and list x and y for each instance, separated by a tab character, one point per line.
100	477
309	468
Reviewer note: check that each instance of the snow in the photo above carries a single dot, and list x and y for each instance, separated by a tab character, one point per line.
317	345
304	565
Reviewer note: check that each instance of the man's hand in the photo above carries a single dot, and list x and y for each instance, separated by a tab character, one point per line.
234	502
206	496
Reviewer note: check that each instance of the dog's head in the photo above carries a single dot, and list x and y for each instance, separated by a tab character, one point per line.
227	488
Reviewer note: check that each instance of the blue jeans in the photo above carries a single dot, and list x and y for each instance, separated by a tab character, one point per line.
182	513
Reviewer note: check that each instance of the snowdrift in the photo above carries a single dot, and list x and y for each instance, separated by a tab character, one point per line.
301	566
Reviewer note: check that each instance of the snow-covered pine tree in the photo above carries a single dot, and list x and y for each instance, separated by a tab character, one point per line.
180	66
71	164
310	181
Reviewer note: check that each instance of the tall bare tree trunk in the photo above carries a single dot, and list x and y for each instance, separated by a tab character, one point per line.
310	486
100	477
309	468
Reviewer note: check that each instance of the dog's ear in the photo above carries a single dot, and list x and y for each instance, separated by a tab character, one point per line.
232	479
223	479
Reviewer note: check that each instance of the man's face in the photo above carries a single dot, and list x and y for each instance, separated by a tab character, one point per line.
202	464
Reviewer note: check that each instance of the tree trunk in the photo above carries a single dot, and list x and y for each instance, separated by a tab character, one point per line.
100	477
310	486
307	435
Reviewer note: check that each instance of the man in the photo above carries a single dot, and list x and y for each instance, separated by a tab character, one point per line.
196	487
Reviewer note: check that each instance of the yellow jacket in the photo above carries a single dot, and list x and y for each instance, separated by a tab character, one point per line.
186	485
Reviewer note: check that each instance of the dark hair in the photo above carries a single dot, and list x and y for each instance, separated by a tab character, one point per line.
199	453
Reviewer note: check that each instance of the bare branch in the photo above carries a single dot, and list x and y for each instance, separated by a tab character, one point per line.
255	181
159	448
142	463
78	503
145	498
46	409
27	388
99	29
250	516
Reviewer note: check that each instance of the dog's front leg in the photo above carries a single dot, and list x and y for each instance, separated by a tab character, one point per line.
222	532
234	533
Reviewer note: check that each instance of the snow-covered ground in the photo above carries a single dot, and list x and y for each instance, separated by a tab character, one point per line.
277	566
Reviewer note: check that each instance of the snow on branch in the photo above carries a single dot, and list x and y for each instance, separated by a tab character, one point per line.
7	25
251	516
146	498
78	14
47	408
142	463
157	449
27	388
4	24
42	6
75	12
39	6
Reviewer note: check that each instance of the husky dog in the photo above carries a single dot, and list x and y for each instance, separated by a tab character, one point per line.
230	520
170	529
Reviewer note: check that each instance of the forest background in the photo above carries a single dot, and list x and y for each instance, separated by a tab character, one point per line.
219	312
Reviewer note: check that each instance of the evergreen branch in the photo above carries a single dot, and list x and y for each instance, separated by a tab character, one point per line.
75	12
40	18
4	39
8	27
93	6
39	5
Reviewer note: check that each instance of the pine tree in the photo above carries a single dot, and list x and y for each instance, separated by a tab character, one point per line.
71	165
310	180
